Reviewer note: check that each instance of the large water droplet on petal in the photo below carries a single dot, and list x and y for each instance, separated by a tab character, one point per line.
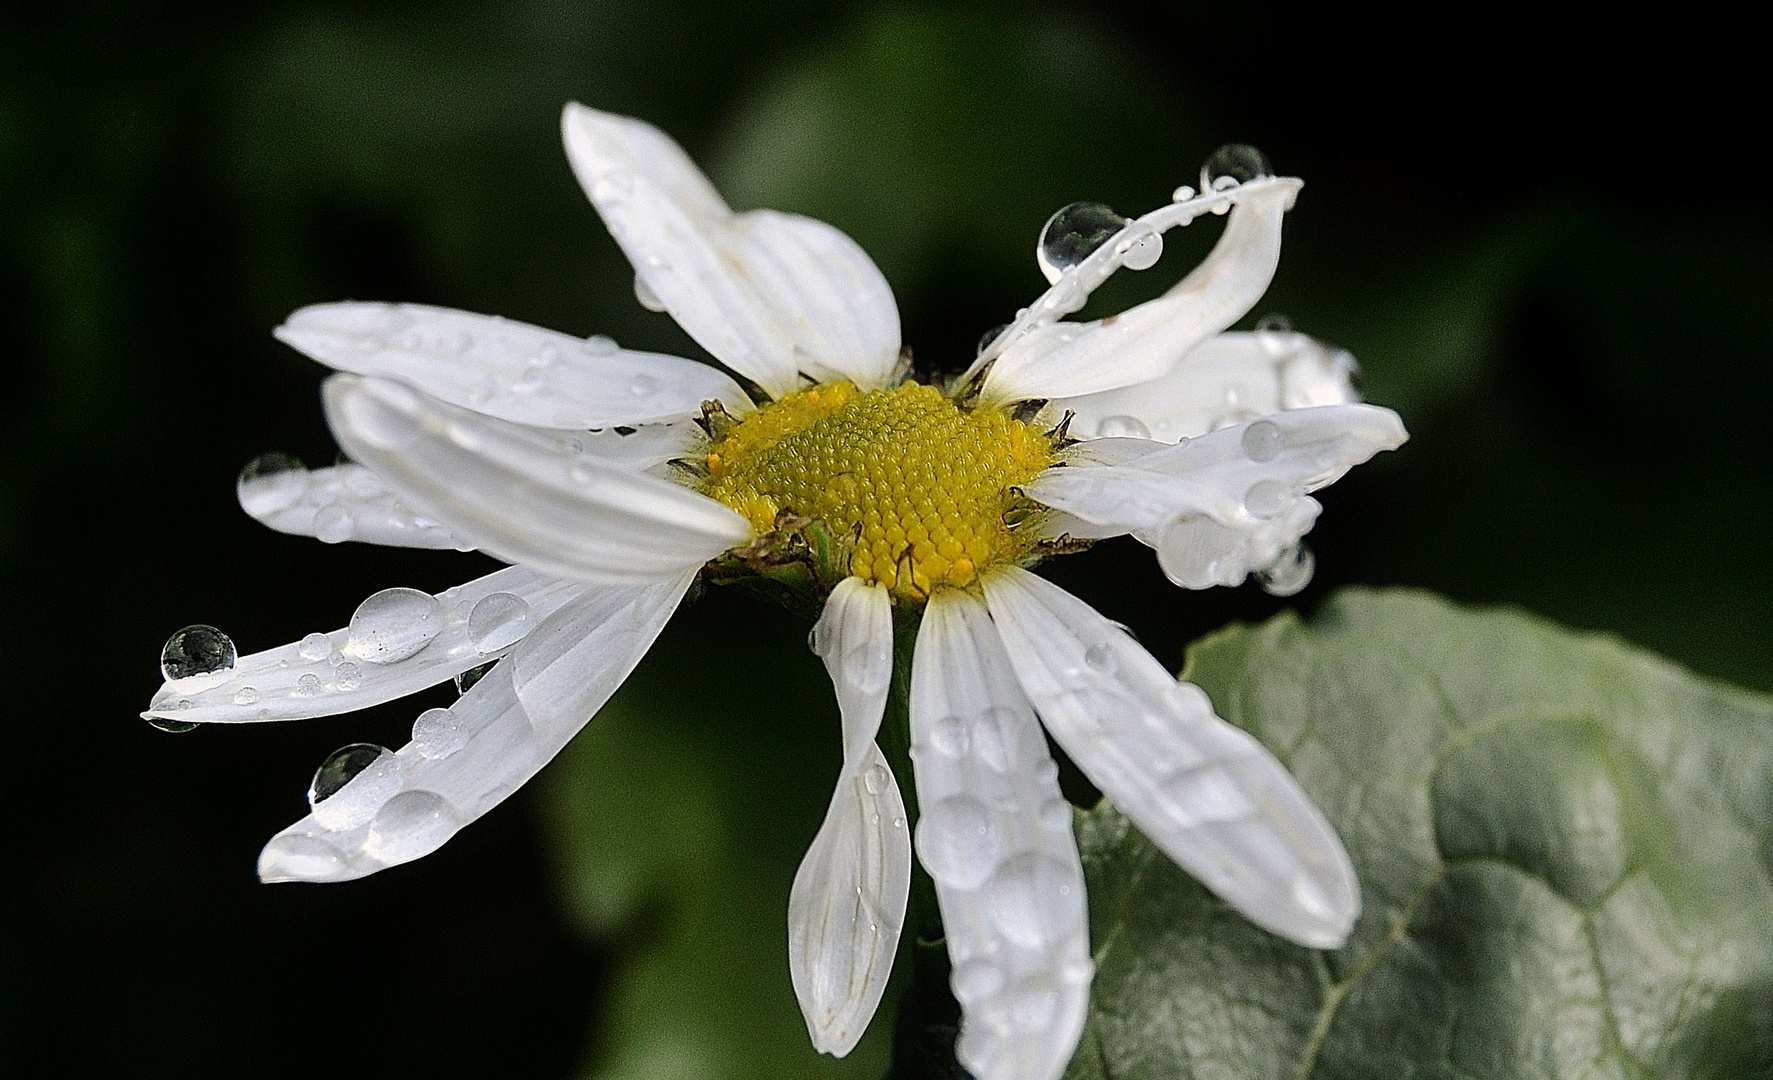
997	737
411	825
1192	551
1101	659
271	482
1290	573
1035	902
315	646
352	784
959	843
977	979
393	625
1231	165
197	658
171	727
644	293
1122	427
1072	234
300	858
949	736
437	734
1267	498
868	667
1143	253
498	620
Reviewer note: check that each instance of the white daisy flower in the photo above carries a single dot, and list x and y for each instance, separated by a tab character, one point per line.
610	479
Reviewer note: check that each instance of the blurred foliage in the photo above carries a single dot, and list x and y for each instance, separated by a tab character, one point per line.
1565	849
1561	295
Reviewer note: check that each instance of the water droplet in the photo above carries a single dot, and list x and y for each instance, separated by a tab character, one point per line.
466	680
315	647
1266	498
300	858
308	685
1143	253
644	293
613	186
352	783
393	625
1231	165
437	734
1205	794
197	658
1122	427
271	482
876	778
949	736
643	386
815	641
1100	658
1290	573
347	676
1072	234
246	695
997	737
600	345
410	826
1182	194
959	843
1035	901
171	727
868	667
1274	323
977	979
1195	553
333	524
1262	441
988	337
498	620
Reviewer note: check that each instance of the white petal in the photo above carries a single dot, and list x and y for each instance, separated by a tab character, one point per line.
995	835
1206	793
345	502
516	493
467	759
848	902
507	369
1144	342
1226	380
847	906
768	294
325	674
1226	504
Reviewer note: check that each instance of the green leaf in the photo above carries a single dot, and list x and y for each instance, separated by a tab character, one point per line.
1564	847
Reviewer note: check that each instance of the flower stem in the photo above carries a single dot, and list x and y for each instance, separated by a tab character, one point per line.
929	1017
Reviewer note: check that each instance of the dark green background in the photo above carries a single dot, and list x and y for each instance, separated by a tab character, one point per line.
1550	251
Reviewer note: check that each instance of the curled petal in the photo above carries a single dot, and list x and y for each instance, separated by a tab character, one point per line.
509	370
1207	794
770	295
995	834
1061	359
1228	379
467	759
516	493
325	674
1226	504
345	502
848	902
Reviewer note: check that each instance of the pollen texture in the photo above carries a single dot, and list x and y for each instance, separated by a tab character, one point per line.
915	488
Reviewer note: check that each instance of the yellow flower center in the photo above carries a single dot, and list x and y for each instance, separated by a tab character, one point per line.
917	487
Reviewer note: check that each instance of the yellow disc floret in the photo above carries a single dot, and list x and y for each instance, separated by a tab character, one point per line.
920	486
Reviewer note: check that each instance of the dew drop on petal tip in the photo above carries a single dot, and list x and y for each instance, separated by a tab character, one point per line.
197	657
497	620
644	293
393	625
1231	165
171	727
1290	573
1072	234
271	482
